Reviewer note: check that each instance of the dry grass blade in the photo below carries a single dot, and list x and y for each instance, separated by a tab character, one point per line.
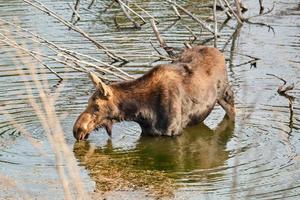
43	106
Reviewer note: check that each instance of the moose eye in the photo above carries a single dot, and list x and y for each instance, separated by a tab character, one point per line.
96	109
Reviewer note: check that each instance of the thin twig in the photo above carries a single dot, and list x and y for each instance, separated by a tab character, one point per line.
109	6
252	63
232	11
176	11
122	6
263	13
216	23
75	11
132	11
187	45
225	9
282	91
284	81
91	4
155	48
192	16
146	12
192	33
238	9
261	24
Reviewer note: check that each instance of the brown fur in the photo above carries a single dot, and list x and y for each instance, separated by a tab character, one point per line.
164	100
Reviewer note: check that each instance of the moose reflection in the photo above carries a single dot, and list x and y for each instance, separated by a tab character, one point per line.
199	148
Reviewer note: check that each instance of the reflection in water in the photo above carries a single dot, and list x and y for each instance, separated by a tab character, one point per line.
198	148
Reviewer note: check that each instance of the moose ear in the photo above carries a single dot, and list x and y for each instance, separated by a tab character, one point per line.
103	88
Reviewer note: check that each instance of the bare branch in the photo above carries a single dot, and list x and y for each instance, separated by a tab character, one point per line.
44	9
122	5
161	40
132	11
14	44
232	11
192	16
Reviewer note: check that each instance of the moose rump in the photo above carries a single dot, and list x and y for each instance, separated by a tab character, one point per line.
164	100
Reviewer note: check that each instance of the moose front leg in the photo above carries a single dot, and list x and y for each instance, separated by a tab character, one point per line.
174	125
227	103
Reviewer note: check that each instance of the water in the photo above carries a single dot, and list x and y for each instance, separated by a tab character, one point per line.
257	157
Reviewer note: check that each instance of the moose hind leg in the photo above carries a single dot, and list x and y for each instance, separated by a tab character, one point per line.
227	103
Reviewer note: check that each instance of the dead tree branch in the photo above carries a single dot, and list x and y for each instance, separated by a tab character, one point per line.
122	6
161	41
44	9
132	11
59	51
233	12
176	12
282	91
224	9
192	16
14	44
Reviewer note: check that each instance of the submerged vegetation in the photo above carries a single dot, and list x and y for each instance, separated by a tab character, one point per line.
111	173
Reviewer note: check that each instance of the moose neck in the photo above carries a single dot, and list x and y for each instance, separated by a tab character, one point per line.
134	101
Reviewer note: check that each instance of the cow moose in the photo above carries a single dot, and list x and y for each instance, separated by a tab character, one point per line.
165	100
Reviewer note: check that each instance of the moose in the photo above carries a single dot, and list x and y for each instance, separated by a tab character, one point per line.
163	101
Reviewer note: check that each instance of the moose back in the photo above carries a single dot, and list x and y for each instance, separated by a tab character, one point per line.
163	101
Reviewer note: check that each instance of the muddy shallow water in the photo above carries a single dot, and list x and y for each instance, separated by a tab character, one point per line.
257	157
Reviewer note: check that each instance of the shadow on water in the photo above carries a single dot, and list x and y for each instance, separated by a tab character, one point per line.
198	148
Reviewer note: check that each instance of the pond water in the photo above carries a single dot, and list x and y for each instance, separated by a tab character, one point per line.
257	157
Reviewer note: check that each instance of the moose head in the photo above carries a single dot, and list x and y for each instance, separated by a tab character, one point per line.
99	112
